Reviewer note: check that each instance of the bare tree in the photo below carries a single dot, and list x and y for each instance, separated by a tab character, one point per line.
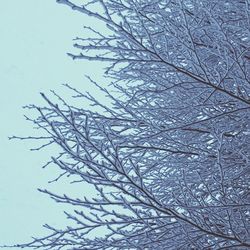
169	159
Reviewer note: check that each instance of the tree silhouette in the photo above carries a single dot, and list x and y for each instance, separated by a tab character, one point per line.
169	159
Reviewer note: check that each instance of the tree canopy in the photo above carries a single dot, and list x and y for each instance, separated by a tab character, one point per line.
169	159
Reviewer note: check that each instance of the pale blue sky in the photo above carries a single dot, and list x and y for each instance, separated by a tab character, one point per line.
35	36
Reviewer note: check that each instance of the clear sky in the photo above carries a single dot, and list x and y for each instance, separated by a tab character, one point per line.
34	37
